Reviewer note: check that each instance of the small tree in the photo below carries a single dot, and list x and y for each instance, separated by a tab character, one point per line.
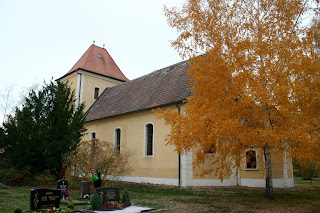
103	157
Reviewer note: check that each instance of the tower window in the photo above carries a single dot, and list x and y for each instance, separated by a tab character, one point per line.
96	92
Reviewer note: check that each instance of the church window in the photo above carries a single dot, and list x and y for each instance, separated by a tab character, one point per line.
149	139
117	134
251	159
93	135
92	144
96	92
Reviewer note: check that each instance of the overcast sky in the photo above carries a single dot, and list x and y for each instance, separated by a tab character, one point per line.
43	39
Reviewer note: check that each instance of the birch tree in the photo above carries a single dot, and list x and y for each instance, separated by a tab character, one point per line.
254	68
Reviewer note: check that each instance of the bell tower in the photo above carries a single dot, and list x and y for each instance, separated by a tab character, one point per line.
92	74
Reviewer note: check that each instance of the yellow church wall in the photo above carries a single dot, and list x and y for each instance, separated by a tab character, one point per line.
91	81
198	169
276	163
257	173
88	83
72	81
163	163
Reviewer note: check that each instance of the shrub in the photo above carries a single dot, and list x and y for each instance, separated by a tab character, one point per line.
14	177
44	179
74	182
95	201
307	173
18	210
70	206
126	198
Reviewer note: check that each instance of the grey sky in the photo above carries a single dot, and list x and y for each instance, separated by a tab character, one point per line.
41	39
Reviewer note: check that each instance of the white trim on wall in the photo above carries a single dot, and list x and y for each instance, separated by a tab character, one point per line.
186	169
81	89
166	181
277	183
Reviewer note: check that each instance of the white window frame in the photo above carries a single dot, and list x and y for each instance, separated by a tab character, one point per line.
145	140
245	156
115	139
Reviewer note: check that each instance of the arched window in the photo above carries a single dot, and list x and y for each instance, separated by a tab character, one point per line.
93	135
96	93
92	145
149	139
251	159
117	139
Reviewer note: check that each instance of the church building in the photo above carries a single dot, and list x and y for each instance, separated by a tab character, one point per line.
119	110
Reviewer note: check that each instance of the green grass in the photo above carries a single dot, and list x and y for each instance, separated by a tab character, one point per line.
305	197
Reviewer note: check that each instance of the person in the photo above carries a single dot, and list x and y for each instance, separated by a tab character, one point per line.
96	179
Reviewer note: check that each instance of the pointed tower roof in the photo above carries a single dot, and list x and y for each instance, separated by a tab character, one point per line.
97	60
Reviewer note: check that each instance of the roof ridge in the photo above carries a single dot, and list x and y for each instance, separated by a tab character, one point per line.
158	70
90	48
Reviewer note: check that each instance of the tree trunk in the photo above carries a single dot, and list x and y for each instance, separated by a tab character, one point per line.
269	185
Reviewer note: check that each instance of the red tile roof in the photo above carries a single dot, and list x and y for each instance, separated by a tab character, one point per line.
98	60
162	87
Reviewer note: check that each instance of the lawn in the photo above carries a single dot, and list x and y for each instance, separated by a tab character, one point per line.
305	197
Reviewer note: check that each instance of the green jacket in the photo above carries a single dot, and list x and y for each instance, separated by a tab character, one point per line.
95	177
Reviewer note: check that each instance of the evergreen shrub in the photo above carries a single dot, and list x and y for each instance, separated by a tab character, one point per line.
126	198
95	201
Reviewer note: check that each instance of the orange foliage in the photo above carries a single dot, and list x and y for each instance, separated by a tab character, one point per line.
255	70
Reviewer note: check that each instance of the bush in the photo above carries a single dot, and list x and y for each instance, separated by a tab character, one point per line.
14	177
74	182
45	179
307	173
126	198
95	201
18	210
71	206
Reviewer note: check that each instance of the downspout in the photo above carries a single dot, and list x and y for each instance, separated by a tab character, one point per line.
179	159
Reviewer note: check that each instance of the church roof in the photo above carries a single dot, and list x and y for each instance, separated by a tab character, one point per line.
162	87
97	60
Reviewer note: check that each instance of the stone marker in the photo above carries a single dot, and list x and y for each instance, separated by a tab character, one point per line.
62	185
85	188
108	194
44	198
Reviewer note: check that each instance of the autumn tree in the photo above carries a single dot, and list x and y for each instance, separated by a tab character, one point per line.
255	75
101	156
